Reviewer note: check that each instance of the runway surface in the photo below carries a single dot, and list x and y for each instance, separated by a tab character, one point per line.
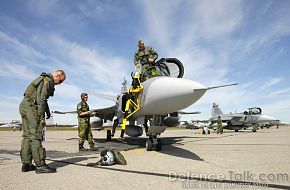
233	160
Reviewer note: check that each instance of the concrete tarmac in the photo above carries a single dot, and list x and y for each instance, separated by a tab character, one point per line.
233	160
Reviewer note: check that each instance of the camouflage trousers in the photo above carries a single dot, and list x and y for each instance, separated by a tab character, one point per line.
85	133
219	130
31	146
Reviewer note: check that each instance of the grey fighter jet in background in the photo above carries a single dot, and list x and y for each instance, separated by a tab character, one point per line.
238	121
15	124
160	101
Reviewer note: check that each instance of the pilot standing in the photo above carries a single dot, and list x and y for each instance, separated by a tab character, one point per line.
84	127
219	125
146	55
32	110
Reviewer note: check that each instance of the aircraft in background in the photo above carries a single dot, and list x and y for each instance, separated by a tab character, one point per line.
152	105
197	124
14	124
238	121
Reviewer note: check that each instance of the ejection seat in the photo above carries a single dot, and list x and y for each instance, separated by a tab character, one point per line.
170	67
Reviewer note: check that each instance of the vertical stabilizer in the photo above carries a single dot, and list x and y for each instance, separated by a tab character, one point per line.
216	111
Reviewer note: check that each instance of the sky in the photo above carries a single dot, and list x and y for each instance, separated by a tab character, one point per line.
94	41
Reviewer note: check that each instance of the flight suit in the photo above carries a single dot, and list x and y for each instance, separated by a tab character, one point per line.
84	127
143	57
219	126
32	110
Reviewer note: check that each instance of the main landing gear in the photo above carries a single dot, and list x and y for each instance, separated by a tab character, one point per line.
153	143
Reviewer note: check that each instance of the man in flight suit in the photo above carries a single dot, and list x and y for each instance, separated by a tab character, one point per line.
146	55
84	128
219	125
32	110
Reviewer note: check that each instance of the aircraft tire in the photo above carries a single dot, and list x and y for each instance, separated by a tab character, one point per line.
208	132
236	130
109	135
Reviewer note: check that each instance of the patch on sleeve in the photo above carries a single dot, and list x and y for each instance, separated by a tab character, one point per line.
79	106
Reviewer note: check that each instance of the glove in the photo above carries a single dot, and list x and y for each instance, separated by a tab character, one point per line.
151	60
48	115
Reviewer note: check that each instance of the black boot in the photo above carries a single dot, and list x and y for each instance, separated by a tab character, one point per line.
27	167
44	169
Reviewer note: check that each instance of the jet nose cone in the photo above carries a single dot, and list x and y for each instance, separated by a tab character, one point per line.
167	94
266	118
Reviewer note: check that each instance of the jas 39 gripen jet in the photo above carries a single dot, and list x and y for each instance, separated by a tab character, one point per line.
238	121
14	125
151	103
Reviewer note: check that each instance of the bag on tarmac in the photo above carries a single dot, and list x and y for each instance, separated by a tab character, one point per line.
120	159
110	157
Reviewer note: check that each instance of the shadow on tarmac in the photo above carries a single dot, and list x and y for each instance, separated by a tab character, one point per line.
170	145
177	176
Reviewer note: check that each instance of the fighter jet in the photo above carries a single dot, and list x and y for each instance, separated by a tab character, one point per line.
14	124
238	121
155	102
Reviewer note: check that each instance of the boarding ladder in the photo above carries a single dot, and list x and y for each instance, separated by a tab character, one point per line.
133	103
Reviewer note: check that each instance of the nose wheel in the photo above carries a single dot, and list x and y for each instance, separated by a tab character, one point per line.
153	143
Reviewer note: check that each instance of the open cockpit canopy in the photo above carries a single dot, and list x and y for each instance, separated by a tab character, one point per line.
170	67
253	111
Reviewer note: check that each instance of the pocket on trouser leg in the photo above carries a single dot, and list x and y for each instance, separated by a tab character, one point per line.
25	152
38	155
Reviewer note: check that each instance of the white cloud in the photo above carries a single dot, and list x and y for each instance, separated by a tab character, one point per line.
43	8
9	69
20	49
67	90
271	82
280	92
217	18
91	65
101	10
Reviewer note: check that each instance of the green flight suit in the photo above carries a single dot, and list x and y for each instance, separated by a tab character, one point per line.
219	126
84	128
143	57
32	110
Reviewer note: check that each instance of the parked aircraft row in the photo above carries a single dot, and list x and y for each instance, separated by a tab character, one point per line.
235	121
13	124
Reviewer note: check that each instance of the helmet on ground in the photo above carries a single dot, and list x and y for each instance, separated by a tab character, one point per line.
107	158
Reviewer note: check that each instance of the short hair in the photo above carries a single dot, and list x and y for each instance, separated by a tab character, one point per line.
61	72
140	41
83	95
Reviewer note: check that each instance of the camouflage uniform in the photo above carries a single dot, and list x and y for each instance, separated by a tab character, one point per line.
84	128
143	57
32	110
219	126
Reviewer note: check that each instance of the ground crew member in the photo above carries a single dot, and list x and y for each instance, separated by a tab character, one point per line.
219	125
84	127
32	109
146	55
